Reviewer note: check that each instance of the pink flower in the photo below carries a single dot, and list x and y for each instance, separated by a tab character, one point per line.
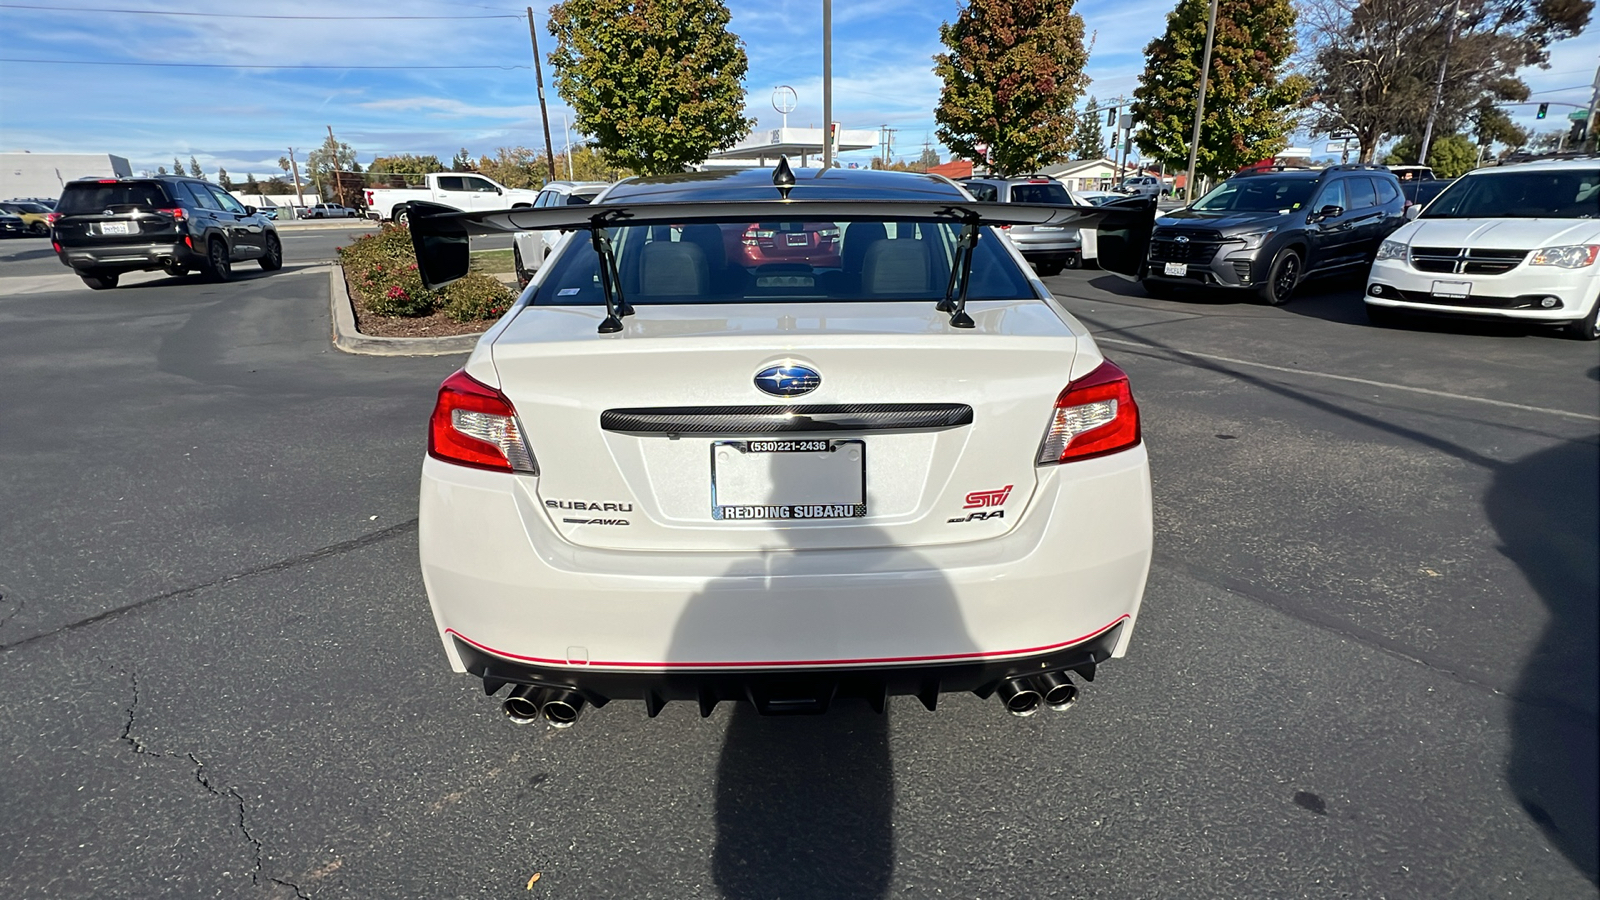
396	292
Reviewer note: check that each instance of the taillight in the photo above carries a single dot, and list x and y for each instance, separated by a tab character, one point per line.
177	213
50	218
475	425
1094	416
57	247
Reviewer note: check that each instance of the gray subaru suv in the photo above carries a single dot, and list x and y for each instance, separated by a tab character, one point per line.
1266	231
1050	248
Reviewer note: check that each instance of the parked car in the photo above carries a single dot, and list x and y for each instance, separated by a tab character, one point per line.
457	190
675	474
1518	242
1050	248
12	225
529	249
1267	231
1141	185
329	211
1413	173
35	216
1421	193
108	226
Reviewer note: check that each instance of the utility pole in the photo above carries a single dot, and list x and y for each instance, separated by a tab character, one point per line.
338	183
544	114
1438	84
1589	133
1200	105
827	85
298	195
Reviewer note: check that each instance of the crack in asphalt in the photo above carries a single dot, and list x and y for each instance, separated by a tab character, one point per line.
340	548
227	793
16	611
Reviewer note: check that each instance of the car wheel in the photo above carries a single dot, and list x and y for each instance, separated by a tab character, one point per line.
401	217
1160	290
1282	278
1074	262
1586	328
1383	316
99	281
39	229
1046	269
217	264
523	275
272	261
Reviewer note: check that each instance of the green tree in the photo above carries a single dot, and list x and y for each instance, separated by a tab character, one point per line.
1250	104
929	158
1374	63
1088	140
407	164
251	185
659	84
162	170
177	167
194	168
462	161
223	179
1013	71
323	165
1450	155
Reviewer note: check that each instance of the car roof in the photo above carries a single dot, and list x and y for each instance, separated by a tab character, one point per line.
810	184
1543	165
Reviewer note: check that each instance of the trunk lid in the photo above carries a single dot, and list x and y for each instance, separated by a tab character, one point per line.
679	386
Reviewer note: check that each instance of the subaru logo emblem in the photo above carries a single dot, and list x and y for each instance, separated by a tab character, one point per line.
1182	239
788	380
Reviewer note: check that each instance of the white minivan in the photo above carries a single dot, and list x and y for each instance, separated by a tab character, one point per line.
1509	242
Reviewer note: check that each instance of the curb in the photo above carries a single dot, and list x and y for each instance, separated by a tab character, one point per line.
320	224
348	339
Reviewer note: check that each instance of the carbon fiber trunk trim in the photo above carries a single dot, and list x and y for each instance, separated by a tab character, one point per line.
731	420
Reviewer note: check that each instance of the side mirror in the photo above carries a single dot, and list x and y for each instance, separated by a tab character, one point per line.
250	210
1330	212
1413	211
498	191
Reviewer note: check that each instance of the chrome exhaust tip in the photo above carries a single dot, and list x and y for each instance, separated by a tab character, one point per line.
562	708
522	706
1020	699
1057	689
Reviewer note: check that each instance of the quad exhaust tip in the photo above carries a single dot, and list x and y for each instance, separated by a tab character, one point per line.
522	707
1058	691
1020	698
562	708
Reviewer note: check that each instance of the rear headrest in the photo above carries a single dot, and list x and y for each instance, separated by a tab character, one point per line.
896	267
858	236
668	269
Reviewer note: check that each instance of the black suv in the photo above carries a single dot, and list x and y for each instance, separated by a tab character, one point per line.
107	226
1267	231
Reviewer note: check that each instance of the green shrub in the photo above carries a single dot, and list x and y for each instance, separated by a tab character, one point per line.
477	296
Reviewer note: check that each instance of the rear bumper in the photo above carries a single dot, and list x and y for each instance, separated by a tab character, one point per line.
130	257
508	592
789	690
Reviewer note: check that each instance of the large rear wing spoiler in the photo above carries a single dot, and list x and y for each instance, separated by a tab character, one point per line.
441	234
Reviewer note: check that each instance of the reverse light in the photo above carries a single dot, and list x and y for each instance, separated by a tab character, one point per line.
475	425
1094	416
1392	250
1575	256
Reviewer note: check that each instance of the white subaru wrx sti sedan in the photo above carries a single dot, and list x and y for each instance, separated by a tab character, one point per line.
782	439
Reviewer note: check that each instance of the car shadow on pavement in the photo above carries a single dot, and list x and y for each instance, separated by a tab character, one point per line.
1543	509
240	274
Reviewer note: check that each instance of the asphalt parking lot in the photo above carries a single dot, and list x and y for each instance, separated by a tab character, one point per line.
1366	665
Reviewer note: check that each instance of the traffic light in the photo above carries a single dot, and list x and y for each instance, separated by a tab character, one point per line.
1544	109
1111	117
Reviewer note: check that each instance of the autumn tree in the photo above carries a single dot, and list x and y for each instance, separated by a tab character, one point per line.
406	164
324	163
658	84
589	164
1250	104
1012	72
1374	63
515	167
1088	140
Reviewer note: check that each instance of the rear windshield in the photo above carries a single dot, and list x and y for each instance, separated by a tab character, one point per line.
788	262
1259	194
1550	194
1044	192
84	197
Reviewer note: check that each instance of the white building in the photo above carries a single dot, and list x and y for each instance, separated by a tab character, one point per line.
44	174
1085	174
803	146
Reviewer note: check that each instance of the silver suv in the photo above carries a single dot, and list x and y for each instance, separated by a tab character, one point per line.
1050	248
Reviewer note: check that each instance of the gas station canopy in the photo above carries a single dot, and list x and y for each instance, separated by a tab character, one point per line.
764	147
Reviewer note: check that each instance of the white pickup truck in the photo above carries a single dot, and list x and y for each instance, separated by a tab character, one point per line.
459	190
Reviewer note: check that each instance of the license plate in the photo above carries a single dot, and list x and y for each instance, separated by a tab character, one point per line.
1049	228
1459	290
116	228
798	240
1178	269
788	479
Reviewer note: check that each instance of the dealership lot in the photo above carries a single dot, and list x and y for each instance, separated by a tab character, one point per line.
1366	665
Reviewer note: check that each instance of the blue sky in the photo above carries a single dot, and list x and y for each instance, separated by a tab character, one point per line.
243	119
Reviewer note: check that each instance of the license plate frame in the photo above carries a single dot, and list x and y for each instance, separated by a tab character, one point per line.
797	239
1176	270
119	228
836	467
1452	290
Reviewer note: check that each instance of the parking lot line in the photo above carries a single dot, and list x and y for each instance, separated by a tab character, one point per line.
1583	417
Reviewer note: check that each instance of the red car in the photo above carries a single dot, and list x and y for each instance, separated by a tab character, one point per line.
813	243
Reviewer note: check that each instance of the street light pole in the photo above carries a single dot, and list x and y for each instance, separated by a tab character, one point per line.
1200	105
827	85
1438	84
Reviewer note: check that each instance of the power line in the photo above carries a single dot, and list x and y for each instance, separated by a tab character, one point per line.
98	62
205	15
